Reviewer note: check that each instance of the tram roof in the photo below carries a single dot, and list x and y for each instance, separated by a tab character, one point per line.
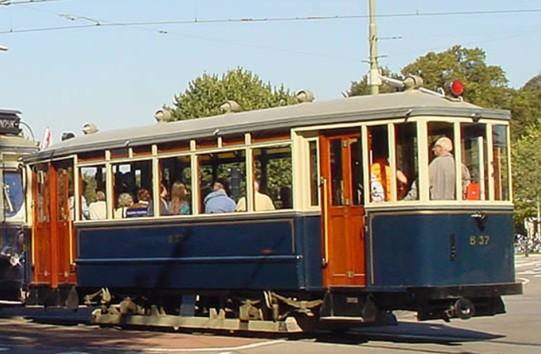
359	108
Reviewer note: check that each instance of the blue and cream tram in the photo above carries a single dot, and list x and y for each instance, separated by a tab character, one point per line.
14	226
353	231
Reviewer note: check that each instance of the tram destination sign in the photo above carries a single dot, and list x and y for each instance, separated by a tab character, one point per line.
9	124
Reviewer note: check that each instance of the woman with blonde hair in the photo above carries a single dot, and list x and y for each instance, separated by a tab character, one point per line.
125	201
179	204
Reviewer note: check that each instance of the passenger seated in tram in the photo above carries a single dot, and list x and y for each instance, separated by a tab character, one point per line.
125	201
164	204
98	209
179	204
143	207
380	181
218	201
262	201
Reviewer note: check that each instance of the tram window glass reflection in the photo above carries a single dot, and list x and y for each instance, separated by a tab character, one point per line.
273	178
406	145
229	167
43	197
441	169
176	179
12	188
475	161
501	163
64	193
314	180
337	177
380	171
92	188
133	185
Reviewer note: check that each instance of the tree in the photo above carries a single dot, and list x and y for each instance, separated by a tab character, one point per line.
526	107
207	93
526	159
361	88
485	85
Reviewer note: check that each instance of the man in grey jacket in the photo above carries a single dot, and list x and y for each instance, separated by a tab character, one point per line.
441	171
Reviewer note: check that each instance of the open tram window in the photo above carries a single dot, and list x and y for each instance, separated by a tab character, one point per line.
12	193
92	188
273	179
222	179
441	170
475	161
64	191
176	179
380	171
406	154
43	196
500	162
133	189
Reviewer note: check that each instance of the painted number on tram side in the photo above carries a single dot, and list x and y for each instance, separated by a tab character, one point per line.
479	240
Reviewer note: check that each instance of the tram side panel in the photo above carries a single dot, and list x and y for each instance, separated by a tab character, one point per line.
443	255
249	254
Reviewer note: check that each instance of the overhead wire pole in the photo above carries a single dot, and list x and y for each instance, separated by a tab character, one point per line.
373	76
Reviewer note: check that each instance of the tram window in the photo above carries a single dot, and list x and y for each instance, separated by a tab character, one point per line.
380	171
356	171
406	145
273	178
500	162
176	178
64	193
230	168
12	189
475	161
43	196
314	180
133	185
441	170
337	177
92	189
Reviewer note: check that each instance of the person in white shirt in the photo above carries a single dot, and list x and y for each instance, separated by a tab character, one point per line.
98	209
262	201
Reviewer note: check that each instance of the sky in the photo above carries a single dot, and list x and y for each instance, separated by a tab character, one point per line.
118	76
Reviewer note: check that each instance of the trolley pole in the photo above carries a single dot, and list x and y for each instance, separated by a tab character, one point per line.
373	76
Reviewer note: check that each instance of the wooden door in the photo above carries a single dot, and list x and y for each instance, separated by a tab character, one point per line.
53	234
343	211
41	235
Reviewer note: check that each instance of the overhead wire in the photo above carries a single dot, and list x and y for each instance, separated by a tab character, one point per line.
263	19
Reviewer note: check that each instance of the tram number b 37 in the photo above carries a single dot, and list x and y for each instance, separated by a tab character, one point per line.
479	240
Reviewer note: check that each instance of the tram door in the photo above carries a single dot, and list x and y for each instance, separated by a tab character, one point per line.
53	236
343	211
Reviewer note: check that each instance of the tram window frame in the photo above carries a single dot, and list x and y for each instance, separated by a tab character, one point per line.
88	189
405	147
205	184
501	162
474	156
314	166
170	180
134	184
17	202
281	194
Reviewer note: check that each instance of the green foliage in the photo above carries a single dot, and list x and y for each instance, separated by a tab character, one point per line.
526	107
484	85
207	93
361	88
526	159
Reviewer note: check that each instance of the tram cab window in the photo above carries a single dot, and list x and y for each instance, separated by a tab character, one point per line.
176	179
441	169
380	171
474	161
406	156
12	194
133	179
273	179
500	162
64	192
92	188
314	177
230	168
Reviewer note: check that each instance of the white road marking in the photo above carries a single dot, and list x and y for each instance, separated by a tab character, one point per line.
528	272
524	280
222	350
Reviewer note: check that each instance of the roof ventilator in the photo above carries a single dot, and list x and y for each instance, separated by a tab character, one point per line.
230	106
304	96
